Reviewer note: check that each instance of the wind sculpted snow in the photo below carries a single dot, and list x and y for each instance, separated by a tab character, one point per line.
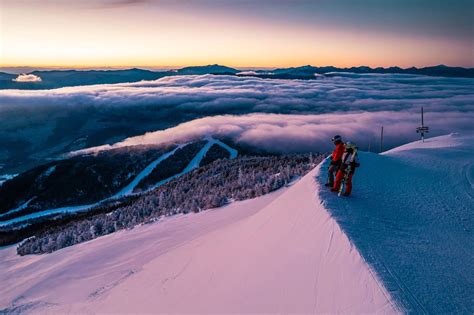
411	218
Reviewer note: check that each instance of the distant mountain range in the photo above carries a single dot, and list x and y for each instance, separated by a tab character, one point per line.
210	69
308	72
51	79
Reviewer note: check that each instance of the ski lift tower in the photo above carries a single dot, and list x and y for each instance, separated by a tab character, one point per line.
422	129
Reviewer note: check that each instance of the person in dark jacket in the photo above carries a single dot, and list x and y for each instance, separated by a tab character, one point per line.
335	159
348	163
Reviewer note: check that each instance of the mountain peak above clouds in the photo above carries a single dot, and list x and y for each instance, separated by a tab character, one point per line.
209	69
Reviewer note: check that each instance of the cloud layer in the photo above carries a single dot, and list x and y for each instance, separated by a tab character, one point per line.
280	115
219	94
283	133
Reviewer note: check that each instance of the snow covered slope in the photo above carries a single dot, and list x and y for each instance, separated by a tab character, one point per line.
127	190
281	253
411	218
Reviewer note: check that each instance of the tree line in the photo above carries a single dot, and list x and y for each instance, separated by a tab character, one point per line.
210	186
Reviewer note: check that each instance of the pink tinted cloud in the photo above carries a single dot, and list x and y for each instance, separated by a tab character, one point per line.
279	115
27	78
300	133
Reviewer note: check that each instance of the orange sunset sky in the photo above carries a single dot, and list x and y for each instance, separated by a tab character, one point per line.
121	33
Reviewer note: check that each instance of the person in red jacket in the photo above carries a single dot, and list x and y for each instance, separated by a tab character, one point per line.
335	160
348	164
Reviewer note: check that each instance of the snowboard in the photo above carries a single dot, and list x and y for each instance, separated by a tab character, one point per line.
347	173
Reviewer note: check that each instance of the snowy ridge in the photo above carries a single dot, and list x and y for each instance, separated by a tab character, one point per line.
126	191
410	217
280	253
301	249
448	141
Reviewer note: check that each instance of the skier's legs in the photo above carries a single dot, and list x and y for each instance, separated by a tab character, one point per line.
337	183
331	171
349	184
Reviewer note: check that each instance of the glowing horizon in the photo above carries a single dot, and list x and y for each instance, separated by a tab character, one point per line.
164	33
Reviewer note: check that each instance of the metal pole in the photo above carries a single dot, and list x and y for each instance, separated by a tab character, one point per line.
422	129
422	125
381	139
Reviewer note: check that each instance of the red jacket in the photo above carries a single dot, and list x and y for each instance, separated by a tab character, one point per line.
337	153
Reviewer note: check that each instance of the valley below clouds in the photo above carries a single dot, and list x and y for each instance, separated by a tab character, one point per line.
276	115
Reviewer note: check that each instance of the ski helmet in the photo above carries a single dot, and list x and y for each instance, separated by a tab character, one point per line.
336	138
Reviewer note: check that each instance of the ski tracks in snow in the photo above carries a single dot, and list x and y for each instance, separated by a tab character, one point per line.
128	189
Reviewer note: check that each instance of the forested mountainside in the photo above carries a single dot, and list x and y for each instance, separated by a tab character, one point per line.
210	186
75	180
171	166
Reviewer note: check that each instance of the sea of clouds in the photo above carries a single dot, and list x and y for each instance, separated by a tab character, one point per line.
278	115
284	133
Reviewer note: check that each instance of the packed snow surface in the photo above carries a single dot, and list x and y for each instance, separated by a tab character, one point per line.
280	253
411	218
